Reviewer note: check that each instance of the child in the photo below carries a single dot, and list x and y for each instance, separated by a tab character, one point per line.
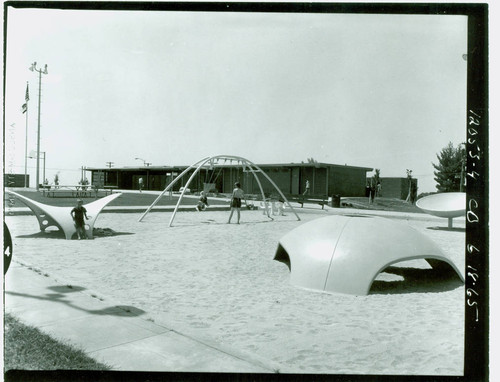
202	203
77	214
238	194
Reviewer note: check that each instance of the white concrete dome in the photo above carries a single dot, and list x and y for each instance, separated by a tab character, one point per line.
346	253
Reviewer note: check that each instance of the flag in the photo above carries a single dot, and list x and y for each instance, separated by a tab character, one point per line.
24	108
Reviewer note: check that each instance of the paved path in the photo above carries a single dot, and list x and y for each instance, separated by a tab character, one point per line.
115	335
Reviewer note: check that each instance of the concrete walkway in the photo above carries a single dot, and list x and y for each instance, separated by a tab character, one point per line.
114	335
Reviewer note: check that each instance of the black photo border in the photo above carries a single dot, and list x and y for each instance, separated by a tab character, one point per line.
476	298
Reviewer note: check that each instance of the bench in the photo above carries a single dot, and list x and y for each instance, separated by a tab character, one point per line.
322	200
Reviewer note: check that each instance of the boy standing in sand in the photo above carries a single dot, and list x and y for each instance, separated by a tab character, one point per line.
238	194
77	214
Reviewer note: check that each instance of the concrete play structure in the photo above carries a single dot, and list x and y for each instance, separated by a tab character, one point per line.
211	163
345	253
60	217
445	205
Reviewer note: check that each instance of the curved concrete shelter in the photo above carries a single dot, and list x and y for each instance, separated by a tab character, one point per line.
345	254
60	217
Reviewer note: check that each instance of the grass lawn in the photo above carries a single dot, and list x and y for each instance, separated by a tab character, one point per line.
127	199
26	348
145	200
382	204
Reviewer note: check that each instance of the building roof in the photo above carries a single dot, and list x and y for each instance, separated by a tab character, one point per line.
265	165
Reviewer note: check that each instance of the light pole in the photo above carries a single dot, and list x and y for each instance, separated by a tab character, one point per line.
44	156
34	69
146	164
143	161
25	110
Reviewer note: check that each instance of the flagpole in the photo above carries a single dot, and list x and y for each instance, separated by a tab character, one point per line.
26	141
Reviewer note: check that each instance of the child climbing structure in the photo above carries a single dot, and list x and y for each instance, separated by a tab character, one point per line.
211	163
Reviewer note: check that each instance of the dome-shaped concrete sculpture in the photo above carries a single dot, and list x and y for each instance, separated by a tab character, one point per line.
346	253
445	205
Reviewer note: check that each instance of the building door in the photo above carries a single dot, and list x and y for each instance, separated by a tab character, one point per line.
295	181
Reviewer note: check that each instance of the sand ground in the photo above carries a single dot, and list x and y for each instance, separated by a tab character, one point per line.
220	284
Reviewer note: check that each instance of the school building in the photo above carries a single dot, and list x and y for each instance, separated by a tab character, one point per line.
394	187
324	179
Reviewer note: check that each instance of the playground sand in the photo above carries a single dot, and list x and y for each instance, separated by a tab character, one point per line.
220	284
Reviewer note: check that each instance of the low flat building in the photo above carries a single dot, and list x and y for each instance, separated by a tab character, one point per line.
394	187
16	180
324	179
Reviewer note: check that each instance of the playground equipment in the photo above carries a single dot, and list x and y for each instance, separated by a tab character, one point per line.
60	217
211	163
346	253
445	205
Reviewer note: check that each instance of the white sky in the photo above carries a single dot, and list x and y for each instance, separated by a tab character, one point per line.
381	91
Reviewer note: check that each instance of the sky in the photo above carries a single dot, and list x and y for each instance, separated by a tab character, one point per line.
380	91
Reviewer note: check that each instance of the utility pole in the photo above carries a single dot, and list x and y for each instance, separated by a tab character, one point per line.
462	168
110	164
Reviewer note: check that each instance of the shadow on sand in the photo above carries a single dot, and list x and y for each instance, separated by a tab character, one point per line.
417	280
453	229
60	297
44	235
56	234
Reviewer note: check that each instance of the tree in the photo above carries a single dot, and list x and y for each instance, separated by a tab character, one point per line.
375	182
412	187
449	170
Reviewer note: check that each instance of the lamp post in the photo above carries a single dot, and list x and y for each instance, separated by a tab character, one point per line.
143	161
146	164
40	71
37	156
25	110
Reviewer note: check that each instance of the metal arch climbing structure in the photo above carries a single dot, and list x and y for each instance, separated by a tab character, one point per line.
209	161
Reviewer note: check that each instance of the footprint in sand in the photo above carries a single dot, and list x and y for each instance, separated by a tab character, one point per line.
200	325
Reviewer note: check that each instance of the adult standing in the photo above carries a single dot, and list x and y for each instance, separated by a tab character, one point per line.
141	184
236	197
308	186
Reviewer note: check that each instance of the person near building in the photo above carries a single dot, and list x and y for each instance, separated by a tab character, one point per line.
308	188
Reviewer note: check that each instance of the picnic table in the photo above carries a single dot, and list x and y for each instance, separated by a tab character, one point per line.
74	191
322	200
